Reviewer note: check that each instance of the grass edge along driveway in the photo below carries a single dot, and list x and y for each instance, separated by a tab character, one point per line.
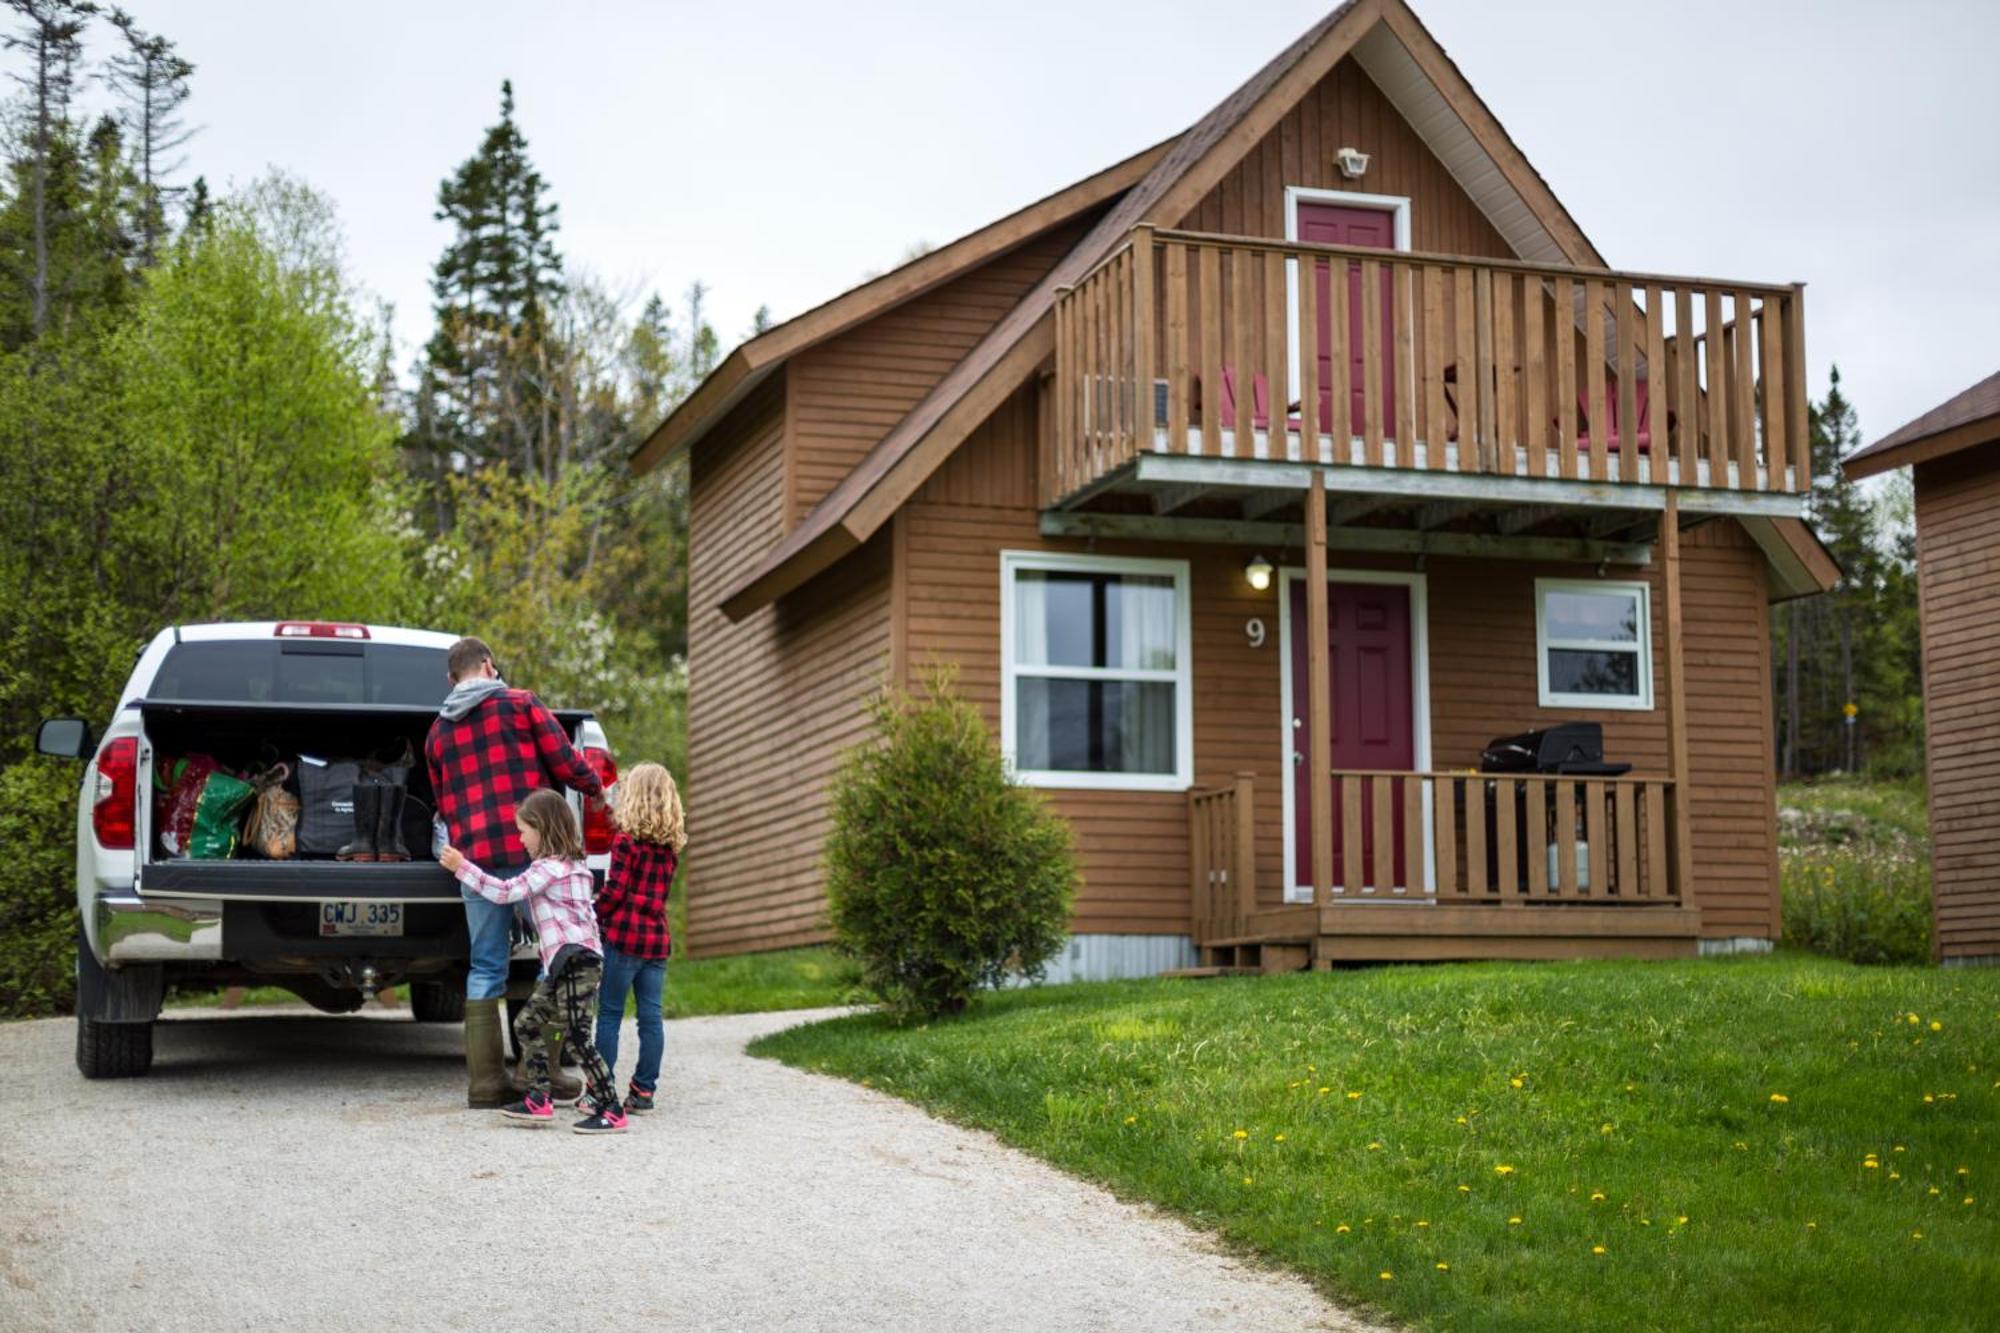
1782	1143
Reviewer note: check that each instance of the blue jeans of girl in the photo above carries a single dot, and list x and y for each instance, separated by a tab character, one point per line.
645	978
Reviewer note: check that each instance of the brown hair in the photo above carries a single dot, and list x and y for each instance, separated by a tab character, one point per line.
465	657
549	815
649	806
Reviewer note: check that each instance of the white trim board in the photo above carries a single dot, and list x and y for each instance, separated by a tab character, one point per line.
1012	561
1420	697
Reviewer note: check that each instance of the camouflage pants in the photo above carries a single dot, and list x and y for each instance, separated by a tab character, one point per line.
565	1007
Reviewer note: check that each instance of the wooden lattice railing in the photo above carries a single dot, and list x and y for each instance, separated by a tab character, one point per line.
1222	859
1187	343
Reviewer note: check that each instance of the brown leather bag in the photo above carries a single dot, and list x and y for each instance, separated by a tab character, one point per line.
272	830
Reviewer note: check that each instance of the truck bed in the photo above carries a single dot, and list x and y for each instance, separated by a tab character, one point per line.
283	881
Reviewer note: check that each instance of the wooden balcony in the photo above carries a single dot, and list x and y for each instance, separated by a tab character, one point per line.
1235	348
1451	864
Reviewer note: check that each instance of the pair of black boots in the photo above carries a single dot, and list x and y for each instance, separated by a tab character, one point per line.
378	826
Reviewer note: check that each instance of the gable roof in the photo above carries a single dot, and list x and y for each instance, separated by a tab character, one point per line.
1969	419
1394	40
756	358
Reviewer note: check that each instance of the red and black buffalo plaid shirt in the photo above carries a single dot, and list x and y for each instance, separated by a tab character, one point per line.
484	764
632	905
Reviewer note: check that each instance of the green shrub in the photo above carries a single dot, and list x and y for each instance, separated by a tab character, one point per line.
1866	907
942	875
37	887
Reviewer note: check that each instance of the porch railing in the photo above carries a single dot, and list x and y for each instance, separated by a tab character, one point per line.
1222	859
1236	347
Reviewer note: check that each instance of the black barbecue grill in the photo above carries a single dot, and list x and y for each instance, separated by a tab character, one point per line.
1572	748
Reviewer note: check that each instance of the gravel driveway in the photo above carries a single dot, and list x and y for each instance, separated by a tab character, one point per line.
284	1168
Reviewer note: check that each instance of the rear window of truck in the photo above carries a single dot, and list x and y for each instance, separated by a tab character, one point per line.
302	673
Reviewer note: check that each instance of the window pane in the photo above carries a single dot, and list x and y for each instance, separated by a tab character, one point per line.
1610	616
1094	726
271	671
1094	620
1577	671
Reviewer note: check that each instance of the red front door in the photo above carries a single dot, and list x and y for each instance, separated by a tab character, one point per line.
1374	716
1336	224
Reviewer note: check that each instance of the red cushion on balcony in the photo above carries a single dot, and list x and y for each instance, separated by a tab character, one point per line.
1641	400
1260	400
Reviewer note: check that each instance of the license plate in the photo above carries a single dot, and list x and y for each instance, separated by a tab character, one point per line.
360	918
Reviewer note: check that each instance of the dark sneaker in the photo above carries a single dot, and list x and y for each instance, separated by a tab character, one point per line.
534	1109
610	1120
638	1098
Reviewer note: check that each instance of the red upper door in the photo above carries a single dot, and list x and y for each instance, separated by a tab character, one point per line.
1374	716
1340	224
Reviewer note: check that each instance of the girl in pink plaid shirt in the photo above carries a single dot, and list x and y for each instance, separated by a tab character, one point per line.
557	888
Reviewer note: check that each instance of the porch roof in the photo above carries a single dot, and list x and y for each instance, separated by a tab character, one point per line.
1962	422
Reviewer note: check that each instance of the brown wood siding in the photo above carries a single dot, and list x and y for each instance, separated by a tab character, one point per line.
1482	674
848	392
1958	567
773	702
1345	109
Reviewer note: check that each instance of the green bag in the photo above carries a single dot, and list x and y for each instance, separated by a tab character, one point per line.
218	817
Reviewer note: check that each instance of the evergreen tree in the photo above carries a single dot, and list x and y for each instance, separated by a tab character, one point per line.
51	32
152	77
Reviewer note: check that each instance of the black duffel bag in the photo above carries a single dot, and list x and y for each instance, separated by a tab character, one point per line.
326	804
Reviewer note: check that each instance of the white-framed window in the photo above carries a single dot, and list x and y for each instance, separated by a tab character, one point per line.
1095	669
1594	644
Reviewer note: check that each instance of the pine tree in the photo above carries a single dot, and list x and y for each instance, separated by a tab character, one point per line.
51	32
152	77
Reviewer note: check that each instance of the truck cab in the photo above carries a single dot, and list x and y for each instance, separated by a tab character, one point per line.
332	931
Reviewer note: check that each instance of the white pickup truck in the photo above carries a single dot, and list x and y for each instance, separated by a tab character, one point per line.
331	931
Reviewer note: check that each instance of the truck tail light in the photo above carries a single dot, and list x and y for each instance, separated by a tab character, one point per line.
114	814
597	829
318	629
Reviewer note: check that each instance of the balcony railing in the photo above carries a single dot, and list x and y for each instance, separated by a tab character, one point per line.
1234	347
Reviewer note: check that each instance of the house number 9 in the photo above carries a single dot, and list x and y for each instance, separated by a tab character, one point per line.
1253	630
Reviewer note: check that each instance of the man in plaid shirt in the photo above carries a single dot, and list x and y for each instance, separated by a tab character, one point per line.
489	748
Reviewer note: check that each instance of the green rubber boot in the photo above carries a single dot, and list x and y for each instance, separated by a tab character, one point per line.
485	1064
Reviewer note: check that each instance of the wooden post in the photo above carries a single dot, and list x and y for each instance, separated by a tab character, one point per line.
1677	741
1245	859
1319	677
1143	333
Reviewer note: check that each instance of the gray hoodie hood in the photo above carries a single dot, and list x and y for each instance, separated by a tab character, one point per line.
468	695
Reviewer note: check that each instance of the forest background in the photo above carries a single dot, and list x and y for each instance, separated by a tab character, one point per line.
202	417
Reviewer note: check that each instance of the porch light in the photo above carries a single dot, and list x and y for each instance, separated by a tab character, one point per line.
1353	163
1258	573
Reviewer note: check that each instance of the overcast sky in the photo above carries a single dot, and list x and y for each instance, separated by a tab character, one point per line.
781	151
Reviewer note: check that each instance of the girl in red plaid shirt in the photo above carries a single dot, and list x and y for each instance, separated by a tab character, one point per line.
632	912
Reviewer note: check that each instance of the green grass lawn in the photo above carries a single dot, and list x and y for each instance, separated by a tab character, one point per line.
752	982
1780	1143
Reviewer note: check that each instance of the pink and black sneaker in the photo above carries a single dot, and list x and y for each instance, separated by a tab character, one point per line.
638	1099
535	1109
608	1120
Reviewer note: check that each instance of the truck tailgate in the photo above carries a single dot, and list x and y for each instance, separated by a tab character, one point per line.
284	881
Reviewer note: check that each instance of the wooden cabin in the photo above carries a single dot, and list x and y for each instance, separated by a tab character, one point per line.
1337	336
1953	451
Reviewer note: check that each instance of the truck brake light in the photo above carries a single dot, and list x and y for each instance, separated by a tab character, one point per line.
597	831
319	629
114	813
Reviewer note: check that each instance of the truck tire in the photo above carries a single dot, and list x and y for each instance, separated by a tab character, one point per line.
113	1050
437	1002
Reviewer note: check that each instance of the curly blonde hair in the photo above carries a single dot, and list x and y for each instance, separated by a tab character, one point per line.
648	806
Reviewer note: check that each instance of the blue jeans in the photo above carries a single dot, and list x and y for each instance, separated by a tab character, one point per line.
647	978
490	927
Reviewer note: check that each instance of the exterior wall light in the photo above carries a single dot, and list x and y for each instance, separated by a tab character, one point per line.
1258	573
1353	163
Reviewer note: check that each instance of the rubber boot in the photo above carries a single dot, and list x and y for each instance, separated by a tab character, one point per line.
367	815
389	845
485	1068
563	1087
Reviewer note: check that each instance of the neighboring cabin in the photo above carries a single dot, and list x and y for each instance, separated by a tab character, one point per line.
1096	453
1953	451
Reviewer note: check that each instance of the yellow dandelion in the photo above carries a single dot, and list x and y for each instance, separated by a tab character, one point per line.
1465	1189
1597	1196
1812	1226
1631	1087
1935	1191
1131	1119
1513	1221
1503	1170
1914	1020
1353	1096
1899	1148
1870	1164
1895	1175
1936	1026
1597	1249
1444	1268
1605	1128
1341	1230
1374	1147
1324	1091
1967	1201
1965	1171
1916	1235
1780	1098
1928	1099
1741	1146
1246	1180
1277	1138
1460	1121
1681	1221
1422	1223
1645	1221
1387	1276
1242	1134
1513	1082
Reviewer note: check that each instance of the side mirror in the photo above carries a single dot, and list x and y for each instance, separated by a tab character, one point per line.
64	737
